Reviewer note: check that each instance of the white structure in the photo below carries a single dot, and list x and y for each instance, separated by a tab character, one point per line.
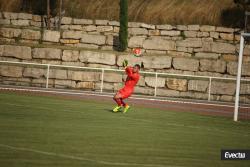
237	95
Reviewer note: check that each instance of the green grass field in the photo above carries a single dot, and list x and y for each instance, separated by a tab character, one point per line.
48	131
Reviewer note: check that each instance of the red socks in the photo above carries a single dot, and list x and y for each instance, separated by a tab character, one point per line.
123	103
120	102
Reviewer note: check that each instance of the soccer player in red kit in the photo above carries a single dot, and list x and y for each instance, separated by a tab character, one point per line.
132	79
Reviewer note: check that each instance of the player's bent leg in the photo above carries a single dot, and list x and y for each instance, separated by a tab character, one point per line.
118	95
123	103
118	101
126	108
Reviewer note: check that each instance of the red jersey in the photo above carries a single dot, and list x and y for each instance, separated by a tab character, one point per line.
132	78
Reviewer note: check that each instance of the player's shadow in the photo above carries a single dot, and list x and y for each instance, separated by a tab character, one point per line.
109	110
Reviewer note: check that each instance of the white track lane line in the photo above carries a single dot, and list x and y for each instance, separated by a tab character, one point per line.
103	95
60	155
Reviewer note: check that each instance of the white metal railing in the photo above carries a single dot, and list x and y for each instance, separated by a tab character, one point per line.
156	74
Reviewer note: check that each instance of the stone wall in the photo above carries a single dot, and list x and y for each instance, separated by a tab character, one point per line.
170	86
201	41
183	49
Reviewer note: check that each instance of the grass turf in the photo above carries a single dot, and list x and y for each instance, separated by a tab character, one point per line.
47	131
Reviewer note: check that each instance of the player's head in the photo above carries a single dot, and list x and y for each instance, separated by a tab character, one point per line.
136	68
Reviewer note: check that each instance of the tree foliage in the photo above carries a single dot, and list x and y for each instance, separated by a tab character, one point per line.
244	3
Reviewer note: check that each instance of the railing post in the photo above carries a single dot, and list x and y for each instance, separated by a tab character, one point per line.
156	81
47	78
209	88
102	80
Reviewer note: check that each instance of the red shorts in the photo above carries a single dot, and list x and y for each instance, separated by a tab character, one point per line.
125	92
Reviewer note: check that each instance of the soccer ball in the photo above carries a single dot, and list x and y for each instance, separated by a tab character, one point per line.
137	52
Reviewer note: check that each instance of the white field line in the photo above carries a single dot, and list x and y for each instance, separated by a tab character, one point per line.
144	121
60	155
136	98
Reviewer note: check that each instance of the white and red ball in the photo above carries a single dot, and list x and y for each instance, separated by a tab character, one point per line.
137	52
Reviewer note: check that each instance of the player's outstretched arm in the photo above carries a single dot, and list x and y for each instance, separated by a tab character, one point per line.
128	69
